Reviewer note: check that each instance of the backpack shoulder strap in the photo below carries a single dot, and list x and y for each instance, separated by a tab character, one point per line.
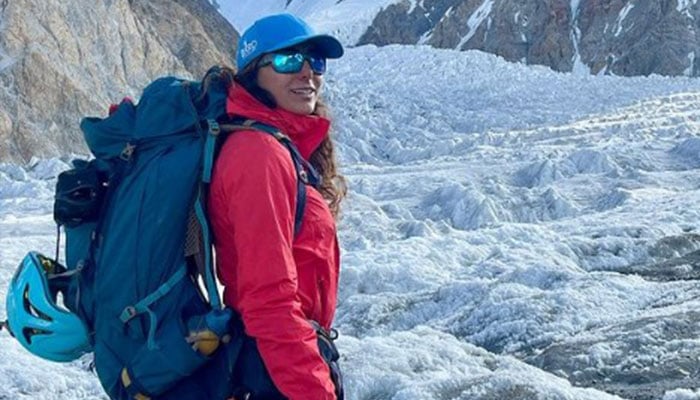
199	232
198	243
305	172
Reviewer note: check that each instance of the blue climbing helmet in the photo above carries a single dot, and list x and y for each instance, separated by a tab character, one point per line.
34	317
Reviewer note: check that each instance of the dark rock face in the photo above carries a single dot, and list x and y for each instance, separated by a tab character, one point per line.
642	357
405	23
62	60
679	259
192	46
638	37
622	37
610	358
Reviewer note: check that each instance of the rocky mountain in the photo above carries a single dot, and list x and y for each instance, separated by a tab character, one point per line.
63	59
622	37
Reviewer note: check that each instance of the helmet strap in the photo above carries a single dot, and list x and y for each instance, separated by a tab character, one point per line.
4	324
58	241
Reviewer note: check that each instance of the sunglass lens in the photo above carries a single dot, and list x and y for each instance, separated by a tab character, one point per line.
288	63
318	64
293	63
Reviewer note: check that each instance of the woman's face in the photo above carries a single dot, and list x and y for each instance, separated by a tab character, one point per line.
296	92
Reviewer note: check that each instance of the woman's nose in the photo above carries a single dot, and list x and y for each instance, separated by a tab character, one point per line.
306	71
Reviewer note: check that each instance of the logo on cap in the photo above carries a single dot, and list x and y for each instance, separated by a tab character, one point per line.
248	48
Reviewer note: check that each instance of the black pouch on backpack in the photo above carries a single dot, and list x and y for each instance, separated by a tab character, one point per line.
79	194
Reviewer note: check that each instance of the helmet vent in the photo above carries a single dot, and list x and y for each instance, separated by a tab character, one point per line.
39	324
29	333
30	308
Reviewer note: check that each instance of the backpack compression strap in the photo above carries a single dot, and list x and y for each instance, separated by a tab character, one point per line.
143	306
209	150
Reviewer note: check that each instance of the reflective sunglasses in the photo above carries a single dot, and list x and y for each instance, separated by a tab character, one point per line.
291	63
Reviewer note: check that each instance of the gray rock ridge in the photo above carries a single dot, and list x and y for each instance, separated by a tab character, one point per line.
621	37
617	366
186	29
678	259
644	356
62	60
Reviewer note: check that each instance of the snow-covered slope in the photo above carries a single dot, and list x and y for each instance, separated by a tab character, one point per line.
511	233
624	37
346	19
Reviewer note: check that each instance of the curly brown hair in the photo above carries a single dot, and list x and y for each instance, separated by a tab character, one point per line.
333	186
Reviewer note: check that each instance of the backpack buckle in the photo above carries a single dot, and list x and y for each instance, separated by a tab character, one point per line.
127	152
128	313
214	128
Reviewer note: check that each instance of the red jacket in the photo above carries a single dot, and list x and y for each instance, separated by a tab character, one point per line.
276	281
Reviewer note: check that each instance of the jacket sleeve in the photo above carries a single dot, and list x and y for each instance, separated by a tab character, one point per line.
258	181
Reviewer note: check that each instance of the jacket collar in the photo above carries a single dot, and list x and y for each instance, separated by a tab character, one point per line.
306	131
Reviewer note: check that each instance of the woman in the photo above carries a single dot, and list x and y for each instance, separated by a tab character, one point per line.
276	279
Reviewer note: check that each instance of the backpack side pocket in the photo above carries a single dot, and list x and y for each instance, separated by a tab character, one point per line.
79	194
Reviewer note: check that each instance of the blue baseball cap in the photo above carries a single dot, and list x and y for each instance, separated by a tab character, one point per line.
279	31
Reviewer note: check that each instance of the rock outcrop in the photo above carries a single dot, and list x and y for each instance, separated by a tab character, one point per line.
622	37
63	59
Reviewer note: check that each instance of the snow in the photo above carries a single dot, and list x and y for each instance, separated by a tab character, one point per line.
475	21
495	212
579	67
574	8
414	4
621	18
682	394
425	37
347	19
691	64
683	5
243	13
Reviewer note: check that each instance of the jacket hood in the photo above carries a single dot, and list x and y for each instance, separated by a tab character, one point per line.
306	131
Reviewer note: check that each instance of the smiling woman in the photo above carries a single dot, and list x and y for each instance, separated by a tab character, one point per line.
294	80
273	216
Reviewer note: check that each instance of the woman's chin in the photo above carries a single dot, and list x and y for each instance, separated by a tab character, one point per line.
299	107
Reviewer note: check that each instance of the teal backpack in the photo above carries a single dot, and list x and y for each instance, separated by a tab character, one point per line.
137	238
